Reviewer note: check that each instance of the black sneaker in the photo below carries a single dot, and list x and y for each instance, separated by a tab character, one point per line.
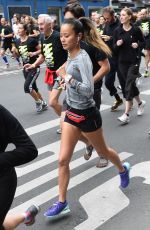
116	105
31	213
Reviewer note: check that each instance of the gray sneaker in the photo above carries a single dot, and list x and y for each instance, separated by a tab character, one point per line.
44	106
31	213
39	106
88	152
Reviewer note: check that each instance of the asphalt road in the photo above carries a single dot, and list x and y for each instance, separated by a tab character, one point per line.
94	196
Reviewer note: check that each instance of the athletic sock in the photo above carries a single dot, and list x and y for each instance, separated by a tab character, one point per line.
5	59
17	59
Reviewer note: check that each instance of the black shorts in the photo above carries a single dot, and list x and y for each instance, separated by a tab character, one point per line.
147	44
6	46
92	122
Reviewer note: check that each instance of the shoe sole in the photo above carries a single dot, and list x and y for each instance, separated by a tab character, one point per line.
64	212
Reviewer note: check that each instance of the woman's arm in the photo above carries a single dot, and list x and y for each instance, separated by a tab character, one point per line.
103	70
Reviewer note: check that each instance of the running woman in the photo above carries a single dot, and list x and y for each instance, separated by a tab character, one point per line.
98	52
128	42
28	48
81	115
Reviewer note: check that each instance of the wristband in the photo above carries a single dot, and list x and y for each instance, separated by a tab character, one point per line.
68	78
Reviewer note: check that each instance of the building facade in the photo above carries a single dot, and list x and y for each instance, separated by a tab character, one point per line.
52	7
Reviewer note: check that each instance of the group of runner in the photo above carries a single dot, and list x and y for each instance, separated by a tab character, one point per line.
77	59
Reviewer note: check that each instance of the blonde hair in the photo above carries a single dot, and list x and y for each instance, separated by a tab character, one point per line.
91	35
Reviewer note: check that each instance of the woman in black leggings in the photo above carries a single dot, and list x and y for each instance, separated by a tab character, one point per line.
128	42
11	132
28	48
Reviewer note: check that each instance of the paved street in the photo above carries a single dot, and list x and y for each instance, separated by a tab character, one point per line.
94	196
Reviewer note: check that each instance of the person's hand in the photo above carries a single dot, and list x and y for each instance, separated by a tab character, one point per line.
106	38
62	84
134	45
119	42
31	54
61	72
28	66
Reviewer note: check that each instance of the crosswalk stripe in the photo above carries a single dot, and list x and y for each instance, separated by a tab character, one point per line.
42	127
74	181
104	107
146	92
48	160
49	176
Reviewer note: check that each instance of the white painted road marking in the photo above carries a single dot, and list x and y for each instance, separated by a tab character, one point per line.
146	92
42	127
108	200
74	181
54	147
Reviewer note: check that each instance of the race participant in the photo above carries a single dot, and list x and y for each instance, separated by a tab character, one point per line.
6	41
81	115
54	56
144	24
128	41
29	49
111	23
24	151
98	52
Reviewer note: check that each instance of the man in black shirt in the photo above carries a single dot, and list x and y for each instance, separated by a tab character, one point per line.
54	56
11	132
111	24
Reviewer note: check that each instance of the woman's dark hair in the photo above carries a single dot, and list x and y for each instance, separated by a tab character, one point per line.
76	24
25	27
75	9
91	35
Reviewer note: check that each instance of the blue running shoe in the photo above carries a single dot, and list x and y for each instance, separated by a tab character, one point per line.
125	179
57	209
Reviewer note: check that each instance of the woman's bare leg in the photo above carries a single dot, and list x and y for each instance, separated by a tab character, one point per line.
69	138
98	142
